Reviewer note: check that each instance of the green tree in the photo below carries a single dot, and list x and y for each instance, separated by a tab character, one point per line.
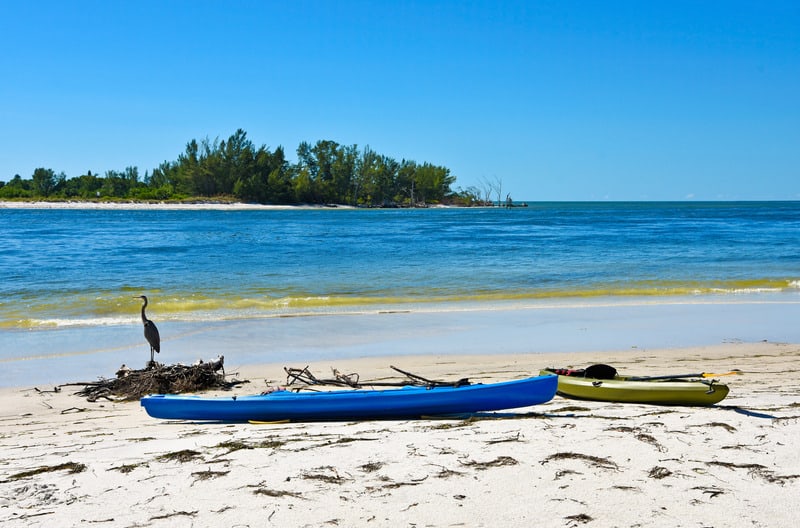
325	172
17	188
45	181
205	174
306	174
270	177
84	186
165	181
343	170
236	161
376	179
119	184
433	182
407	183
279	183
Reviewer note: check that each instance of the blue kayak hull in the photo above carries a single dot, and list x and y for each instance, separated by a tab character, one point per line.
339	405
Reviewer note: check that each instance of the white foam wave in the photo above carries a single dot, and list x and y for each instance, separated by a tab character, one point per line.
71	323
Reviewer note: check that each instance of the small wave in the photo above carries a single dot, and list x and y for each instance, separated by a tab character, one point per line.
110	310
68	323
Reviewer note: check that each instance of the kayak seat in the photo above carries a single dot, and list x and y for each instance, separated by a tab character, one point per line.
600	371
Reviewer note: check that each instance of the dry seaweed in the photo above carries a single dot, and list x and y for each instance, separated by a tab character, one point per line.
184	455
659	472
159	379
727	427
497	462
276	493
514	438
604	463
174	514
70	467
236	445
580	518
369	467
335	478
208	474
756	470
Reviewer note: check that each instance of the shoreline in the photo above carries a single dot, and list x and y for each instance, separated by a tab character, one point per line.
166	206
83	353
565	462
212	204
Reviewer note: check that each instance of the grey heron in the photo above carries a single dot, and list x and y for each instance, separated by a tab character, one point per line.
150	331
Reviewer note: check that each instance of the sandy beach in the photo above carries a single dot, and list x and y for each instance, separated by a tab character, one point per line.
69	462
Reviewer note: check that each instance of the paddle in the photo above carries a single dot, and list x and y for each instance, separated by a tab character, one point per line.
678	376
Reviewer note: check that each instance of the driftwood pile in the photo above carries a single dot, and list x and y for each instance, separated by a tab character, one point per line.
304	378
159	379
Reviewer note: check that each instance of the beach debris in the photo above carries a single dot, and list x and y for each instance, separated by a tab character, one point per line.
304	377
131	384
208	474
565	472
446	472
237	445
755	470
497	462
641	436
711	491
327	474
604	463
580	518
182	513
184	455
276	494
659	472
514	438
69	467
40	391
127	468
727	427
369	467
74	410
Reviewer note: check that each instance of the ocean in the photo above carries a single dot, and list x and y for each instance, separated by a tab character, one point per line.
69	276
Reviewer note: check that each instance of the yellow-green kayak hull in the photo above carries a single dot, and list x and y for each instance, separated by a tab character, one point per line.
660	392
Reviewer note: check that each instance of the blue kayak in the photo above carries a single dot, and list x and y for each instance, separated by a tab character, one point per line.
404	403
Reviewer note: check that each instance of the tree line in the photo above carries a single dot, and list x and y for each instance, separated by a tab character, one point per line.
324	173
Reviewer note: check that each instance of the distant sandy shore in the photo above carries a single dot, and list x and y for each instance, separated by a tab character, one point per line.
188	206
69	462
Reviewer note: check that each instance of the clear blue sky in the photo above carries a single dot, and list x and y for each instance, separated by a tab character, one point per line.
558	100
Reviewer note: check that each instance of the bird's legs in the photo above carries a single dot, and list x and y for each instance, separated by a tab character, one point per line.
152	362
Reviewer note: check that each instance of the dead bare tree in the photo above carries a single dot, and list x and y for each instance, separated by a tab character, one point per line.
487	188
498	189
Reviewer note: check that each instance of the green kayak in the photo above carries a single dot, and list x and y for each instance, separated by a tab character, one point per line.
606	385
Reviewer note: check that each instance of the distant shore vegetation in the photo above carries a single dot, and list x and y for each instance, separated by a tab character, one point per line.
236	170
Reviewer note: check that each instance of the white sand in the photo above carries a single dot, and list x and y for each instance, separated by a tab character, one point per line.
570	464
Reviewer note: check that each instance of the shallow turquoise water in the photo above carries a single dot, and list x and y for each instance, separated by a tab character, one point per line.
81	267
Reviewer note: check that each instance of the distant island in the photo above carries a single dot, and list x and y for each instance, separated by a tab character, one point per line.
235	171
